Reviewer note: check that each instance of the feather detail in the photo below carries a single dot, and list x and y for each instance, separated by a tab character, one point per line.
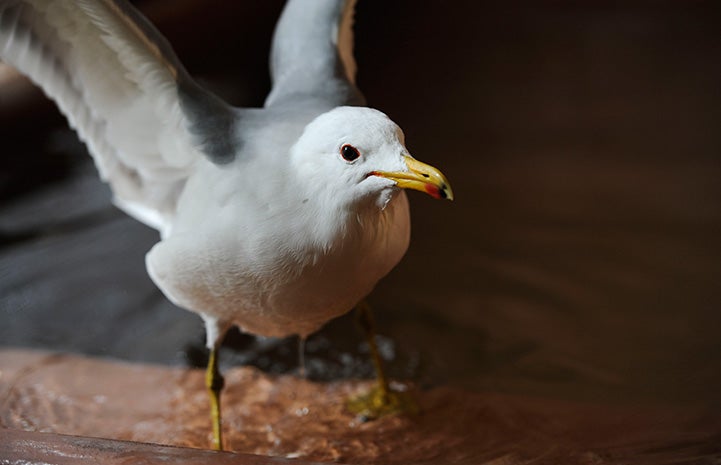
312	53
116	79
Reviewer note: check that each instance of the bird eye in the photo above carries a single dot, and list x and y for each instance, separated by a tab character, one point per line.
349	153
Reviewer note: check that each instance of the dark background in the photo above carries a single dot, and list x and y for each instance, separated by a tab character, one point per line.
580	260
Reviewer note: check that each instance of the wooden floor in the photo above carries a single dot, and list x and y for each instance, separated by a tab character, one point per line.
581	258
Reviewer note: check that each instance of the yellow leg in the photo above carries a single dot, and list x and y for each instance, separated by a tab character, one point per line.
381	400
214	382
366	321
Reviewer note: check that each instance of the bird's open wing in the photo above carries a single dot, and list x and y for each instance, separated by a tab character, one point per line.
312	53
122	88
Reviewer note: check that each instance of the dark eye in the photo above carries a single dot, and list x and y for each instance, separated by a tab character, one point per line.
349	153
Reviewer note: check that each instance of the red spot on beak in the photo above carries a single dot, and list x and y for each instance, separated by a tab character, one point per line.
434	191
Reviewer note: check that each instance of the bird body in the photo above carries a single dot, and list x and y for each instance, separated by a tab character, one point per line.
265	221
276	256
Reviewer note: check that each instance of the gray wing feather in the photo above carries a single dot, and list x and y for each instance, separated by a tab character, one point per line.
120	85
312	53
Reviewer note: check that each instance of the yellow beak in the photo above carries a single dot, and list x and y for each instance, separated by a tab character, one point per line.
420	177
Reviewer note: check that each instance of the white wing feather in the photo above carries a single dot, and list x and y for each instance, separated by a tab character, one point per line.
312	53
116	80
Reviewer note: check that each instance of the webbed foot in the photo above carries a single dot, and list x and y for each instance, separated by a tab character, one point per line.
382	401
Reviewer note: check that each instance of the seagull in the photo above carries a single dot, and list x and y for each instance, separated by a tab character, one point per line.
274	219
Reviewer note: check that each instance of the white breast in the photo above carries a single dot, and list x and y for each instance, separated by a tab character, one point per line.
284	284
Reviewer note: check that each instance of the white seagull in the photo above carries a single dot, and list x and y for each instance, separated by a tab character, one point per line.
273	219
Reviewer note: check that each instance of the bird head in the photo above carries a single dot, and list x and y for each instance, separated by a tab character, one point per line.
358	154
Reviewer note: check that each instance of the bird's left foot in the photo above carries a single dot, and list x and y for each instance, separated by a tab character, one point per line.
382	401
